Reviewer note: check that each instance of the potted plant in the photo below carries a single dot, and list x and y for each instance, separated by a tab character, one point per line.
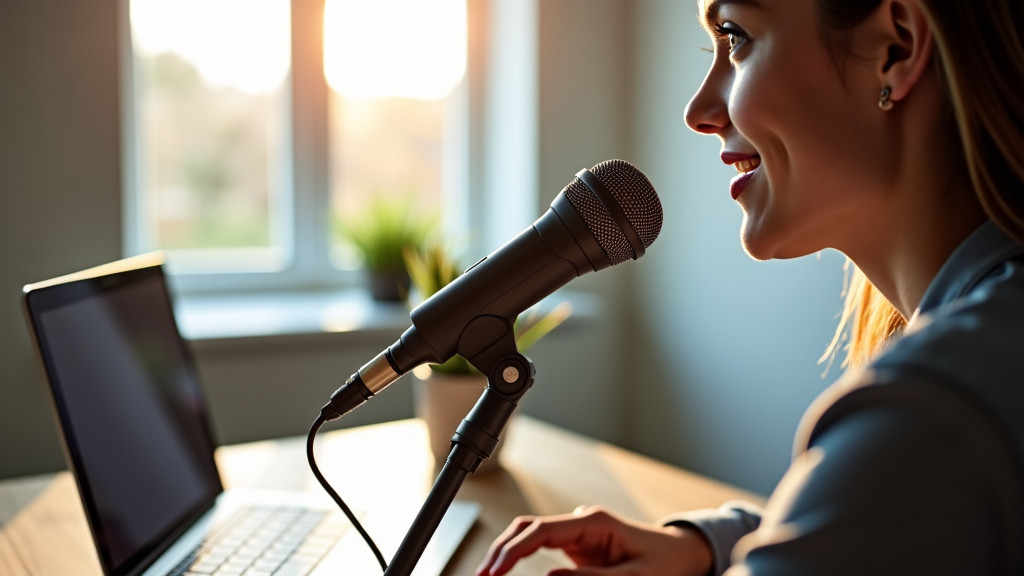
444	393
382	232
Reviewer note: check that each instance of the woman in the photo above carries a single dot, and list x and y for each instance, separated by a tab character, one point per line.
892	131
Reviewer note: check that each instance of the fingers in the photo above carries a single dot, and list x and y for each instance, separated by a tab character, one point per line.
602	543
524	536
519	524
576	533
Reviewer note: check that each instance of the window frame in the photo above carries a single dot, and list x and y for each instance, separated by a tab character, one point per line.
306	261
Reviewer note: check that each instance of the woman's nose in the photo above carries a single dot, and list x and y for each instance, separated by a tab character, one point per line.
708	110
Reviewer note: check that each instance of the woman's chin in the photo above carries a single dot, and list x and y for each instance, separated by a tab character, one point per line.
761	246
755	245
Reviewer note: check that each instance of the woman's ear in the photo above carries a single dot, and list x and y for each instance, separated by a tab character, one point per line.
902	46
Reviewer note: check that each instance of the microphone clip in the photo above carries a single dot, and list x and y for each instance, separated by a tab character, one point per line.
488	344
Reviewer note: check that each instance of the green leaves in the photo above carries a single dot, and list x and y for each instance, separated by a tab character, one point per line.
430	268
535	325
385	230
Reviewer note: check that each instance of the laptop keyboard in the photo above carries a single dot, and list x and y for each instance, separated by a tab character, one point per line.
265	541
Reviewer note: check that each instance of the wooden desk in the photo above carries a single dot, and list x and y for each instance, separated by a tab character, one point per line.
545	470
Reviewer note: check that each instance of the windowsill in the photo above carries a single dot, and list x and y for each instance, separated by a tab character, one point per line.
212	318
267	314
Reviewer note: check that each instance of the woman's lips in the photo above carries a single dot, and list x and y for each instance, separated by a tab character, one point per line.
739	184
747	166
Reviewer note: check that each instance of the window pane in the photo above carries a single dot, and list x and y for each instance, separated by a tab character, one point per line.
394	68
379	48
384	147
211	115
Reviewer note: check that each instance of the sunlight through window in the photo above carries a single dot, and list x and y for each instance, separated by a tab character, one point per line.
224	166
232	43
394	68
394	48
211	122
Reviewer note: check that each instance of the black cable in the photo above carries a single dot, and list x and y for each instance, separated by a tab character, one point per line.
320	420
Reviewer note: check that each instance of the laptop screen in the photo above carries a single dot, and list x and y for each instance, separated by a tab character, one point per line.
130	405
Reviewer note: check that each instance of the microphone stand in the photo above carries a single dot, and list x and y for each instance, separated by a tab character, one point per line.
510	376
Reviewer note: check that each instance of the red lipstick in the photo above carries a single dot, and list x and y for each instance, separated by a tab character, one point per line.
747	164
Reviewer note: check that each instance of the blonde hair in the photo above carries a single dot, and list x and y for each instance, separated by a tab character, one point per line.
866	322
980	57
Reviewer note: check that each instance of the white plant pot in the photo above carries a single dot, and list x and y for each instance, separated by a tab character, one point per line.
442	401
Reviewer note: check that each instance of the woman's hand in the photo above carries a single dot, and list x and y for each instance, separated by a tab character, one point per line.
601	543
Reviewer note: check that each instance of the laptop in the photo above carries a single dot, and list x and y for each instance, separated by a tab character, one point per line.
138	441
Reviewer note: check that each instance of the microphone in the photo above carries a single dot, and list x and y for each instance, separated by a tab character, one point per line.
605	216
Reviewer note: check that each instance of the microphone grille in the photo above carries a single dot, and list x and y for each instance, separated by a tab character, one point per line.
633	192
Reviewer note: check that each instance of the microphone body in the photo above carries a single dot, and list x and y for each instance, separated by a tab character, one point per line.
606	215
525	270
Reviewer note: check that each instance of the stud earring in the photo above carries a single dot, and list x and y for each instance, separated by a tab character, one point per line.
883	100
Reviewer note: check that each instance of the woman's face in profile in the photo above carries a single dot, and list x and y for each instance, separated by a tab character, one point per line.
800	124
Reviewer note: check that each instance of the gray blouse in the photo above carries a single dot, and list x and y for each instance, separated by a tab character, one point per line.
915	463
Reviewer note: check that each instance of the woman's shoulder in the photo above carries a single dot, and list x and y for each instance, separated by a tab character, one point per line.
973	341
956	373
962	360
970	348
900	459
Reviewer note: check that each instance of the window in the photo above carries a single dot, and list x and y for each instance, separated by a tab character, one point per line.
256	127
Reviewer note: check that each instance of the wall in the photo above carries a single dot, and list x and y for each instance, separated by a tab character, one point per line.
585	48
60	187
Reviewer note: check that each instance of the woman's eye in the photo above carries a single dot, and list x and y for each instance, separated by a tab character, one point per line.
730	33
